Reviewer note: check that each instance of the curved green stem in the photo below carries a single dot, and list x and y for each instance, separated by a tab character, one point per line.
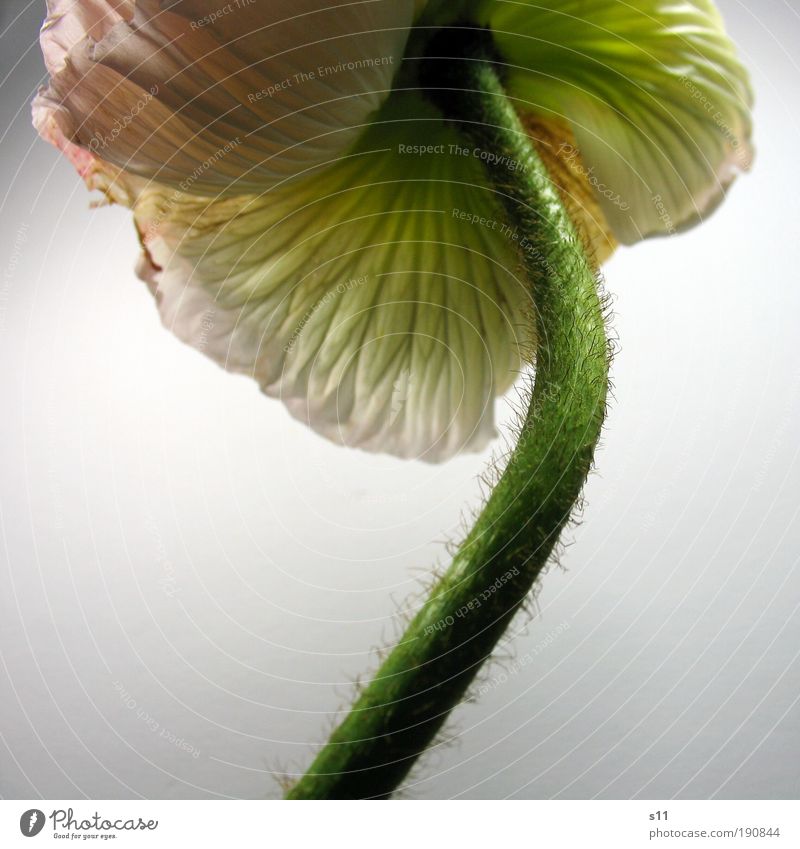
427	673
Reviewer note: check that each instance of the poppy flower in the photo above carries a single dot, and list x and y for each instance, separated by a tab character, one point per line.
308	217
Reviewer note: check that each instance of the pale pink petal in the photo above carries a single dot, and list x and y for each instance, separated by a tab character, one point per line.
115	184
210	100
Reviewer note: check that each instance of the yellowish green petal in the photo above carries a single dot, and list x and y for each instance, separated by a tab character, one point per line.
658	101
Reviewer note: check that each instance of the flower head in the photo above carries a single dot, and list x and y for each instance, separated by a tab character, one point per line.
308	217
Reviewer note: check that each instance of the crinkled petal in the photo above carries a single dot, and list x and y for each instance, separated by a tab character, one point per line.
378	299
211	97
658	102
69	22
117	185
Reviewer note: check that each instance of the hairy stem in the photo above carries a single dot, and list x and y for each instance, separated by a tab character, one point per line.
428	672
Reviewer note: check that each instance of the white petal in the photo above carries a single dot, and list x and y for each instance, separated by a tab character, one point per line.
210	97
378	300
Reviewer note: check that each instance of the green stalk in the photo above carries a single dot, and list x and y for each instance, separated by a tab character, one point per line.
428	672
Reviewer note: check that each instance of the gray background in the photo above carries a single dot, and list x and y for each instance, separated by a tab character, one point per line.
191	581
